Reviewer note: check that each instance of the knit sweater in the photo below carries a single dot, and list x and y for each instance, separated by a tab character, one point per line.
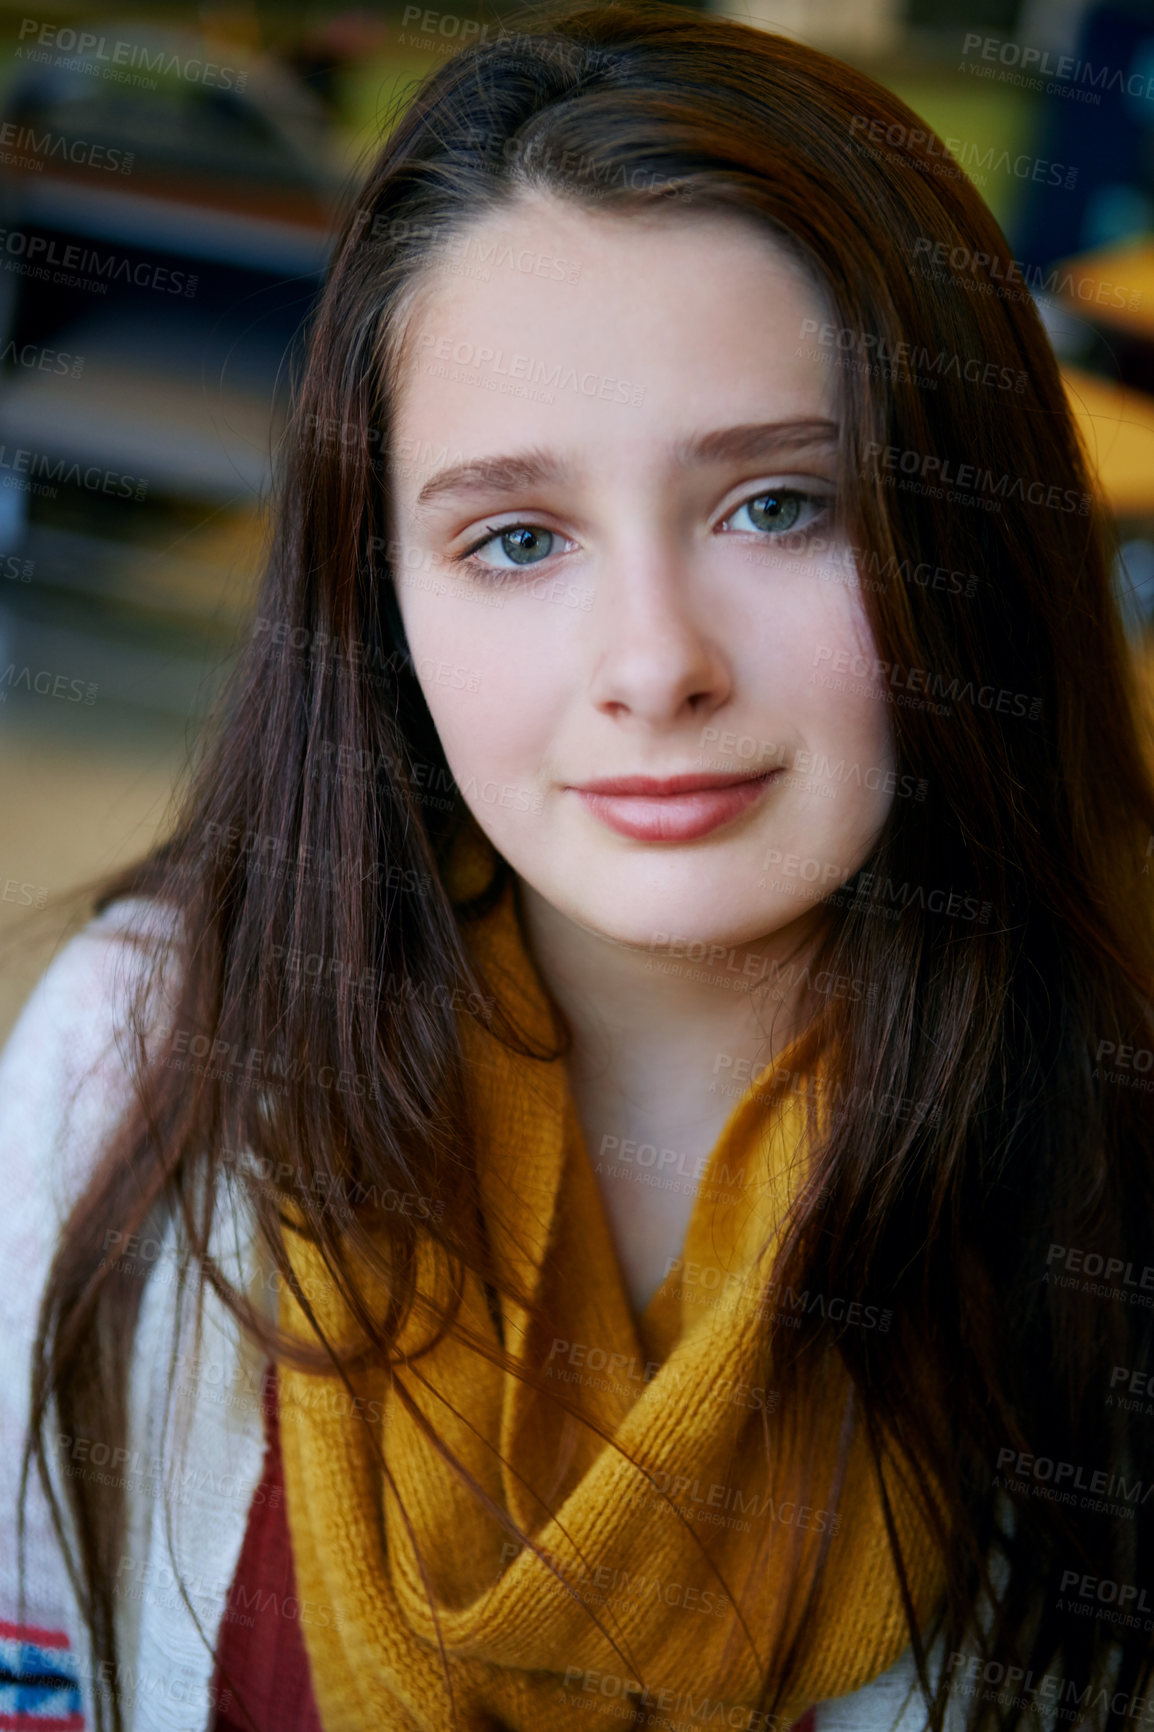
63	1082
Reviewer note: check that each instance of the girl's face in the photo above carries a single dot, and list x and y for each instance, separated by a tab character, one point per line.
614	468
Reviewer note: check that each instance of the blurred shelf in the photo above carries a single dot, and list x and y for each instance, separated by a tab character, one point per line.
155	587
158	432
1117	424
132	670
199	224
172	402
1126	272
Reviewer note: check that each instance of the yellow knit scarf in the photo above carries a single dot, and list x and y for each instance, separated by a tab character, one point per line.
647	1562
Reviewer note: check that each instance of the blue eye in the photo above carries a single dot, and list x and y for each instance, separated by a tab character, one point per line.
522	543
779	510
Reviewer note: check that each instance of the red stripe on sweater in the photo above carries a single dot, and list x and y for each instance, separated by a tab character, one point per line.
33	1633
37	1723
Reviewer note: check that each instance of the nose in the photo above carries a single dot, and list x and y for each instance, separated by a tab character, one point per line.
658	653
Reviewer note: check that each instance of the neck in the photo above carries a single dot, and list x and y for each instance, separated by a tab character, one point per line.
648	1024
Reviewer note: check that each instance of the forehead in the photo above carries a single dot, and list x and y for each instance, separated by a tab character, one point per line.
547	321
549	259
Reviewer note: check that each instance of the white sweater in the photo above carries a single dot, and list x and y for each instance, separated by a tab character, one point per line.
62	1085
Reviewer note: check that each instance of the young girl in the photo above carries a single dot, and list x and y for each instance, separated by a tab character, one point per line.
602	1174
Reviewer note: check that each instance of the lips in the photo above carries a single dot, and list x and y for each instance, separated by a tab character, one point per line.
673	808
662	786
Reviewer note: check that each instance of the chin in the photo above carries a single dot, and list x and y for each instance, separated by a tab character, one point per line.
659	920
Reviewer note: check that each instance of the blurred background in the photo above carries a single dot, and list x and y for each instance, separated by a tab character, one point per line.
168	181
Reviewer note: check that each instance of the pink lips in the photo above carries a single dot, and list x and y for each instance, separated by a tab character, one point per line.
675	809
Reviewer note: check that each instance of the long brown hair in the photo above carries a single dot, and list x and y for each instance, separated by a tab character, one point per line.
1015	715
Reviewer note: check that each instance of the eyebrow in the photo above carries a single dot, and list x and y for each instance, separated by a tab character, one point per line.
494	474
747	443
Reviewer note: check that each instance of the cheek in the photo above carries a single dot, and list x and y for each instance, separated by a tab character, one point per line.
820	654
479	734
860	710
492	706
513	654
